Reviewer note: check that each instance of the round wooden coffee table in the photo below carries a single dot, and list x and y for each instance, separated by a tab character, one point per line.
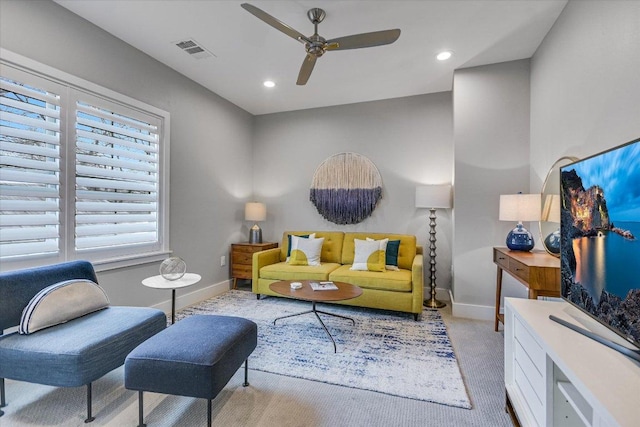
345	291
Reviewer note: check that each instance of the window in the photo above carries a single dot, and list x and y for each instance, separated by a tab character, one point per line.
82	173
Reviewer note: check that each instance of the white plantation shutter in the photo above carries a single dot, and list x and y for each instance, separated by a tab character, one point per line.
83	171
30	184
117	179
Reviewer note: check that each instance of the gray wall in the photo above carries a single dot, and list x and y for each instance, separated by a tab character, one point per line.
210	137
585	83
491	149
583	94
408	139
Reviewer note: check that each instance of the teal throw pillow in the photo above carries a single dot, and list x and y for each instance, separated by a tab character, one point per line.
391	257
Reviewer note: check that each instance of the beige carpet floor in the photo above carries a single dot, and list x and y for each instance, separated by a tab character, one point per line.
277	400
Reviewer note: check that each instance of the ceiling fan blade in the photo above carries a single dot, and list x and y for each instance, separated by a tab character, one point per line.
275	23
306	69
356	41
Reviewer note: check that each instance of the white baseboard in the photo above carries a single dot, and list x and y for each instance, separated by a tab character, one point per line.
471	311
194	297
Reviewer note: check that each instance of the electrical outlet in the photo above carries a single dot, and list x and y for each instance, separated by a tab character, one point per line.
223	261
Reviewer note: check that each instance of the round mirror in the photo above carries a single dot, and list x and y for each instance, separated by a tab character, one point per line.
550	218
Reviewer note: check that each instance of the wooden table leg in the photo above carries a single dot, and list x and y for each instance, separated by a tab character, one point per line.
533	294
498	293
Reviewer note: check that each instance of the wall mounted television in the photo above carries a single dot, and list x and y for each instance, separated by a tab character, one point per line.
600	245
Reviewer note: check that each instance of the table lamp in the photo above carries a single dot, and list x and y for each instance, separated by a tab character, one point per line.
433	197
254	211
520	207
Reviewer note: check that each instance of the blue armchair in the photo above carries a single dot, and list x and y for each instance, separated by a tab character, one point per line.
76	352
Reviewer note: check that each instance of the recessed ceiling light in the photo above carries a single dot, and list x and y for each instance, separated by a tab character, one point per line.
269	83
443	56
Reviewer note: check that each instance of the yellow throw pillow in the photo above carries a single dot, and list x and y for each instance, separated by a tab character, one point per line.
369	255
307	252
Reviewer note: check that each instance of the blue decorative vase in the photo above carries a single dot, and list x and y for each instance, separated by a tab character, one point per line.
520	239
552	242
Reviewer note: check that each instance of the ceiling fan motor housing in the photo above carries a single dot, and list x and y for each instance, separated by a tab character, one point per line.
316	15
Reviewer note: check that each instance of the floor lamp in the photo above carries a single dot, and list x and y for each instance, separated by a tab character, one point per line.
433	197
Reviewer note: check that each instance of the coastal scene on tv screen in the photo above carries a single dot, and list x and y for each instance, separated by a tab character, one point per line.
600	237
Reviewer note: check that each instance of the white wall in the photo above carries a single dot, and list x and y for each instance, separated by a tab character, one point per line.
491	151
408	139
585	83
210	137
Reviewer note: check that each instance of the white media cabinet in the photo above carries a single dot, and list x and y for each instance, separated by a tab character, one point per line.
555	376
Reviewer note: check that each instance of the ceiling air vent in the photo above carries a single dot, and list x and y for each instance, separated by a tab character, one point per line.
194	49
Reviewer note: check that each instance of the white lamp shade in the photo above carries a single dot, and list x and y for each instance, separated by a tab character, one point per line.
254	211
433	196
551	209
520	207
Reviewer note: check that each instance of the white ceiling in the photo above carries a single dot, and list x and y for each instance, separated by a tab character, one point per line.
248	51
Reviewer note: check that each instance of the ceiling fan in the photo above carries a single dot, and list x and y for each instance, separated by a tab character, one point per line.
317	45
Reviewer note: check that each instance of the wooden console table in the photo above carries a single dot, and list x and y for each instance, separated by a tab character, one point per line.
537	270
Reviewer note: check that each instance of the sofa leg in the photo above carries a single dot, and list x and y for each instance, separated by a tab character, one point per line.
415	316
3	402
246	373
140	410
258	296
89	417
208	412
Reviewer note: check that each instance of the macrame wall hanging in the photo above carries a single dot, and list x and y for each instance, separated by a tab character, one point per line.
346	188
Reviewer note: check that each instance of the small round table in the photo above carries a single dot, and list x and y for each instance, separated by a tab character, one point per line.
159	282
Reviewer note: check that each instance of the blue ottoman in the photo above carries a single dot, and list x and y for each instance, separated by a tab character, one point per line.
195	357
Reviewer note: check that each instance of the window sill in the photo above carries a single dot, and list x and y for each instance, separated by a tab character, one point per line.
115	263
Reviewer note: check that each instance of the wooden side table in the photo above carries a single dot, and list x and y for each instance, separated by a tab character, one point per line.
242	259
537	270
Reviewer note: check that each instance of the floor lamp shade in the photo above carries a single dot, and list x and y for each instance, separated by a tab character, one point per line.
254	211
520	207
433	197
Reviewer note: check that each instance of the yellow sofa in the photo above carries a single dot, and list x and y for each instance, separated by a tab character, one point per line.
400	290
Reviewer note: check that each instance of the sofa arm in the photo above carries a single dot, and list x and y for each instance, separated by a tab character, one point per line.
417	280
261	259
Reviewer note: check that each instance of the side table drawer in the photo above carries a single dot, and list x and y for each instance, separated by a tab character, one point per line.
519	269
242	271
238	257
501	259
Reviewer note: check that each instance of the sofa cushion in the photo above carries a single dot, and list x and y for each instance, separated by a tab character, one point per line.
305	251
284	271
60	303
406	251
79	351
331	248
391	254
369	255
399	281
19	286
290	245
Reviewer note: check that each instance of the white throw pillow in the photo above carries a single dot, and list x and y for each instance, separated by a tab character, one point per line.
293	239
60	303
307	252
386	256
369	255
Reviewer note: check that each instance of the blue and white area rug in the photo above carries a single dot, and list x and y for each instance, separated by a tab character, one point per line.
384	352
